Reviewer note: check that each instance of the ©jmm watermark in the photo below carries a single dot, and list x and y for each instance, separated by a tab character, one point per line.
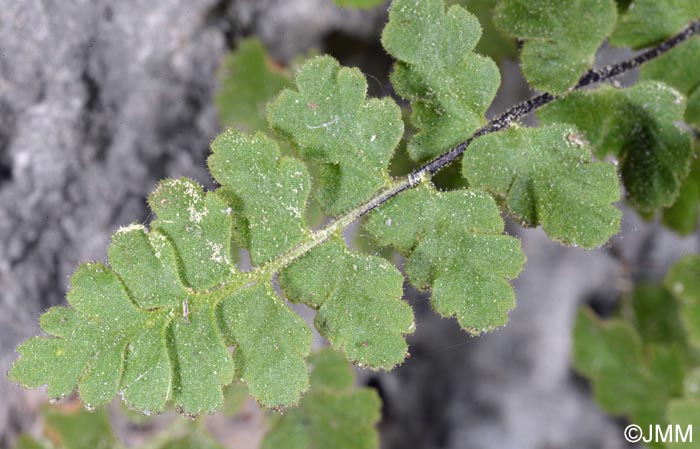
657	433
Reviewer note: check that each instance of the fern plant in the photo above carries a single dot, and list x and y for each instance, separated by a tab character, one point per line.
644	363
171	319
333	414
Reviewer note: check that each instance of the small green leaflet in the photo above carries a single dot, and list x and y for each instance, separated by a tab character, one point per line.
271	191
685	411
332	415
546	177
360	4
647	22
628	379
561	39
493	43
684	214
639	128
248	80
683	281
73	428
455	244
672	68
330	122
449	86
358	298
655	314
644	364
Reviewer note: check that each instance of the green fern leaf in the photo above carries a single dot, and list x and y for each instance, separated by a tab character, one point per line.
200	228
271	191
27	442
360	4
172	341
248	80
493	43
77	429
235	395
332	414
331	123
672	68
455	244
685	411
177	303
546	177
684	214
639	128
683	281
627	380
647	22
449	86
560	39
358	298
655	315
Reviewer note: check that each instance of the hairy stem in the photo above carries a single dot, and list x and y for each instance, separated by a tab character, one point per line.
427	170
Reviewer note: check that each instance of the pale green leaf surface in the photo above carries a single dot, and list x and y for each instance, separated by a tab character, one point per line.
199	226
147	262
78	429
449	86
647	22
202	361
560	40
360	4
691	384
27	442
684	413
248	79
684	214
673	68
272	191
330	370
271	344
601	347
639	128
547	177
358	298
692	110
455	244
656	316
493	43
626	380
332	415
235	395
330	122
92	337
683	281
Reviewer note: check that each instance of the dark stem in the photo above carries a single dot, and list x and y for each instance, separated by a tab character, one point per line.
593	76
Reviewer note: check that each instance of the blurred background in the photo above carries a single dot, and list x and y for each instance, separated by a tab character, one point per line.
101	99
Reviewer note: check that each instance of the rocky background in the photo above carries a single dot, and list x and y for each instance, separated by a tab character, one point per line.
100	99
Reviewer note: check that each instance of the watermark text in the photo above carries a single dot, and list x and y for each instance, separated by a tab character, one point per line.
657	433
